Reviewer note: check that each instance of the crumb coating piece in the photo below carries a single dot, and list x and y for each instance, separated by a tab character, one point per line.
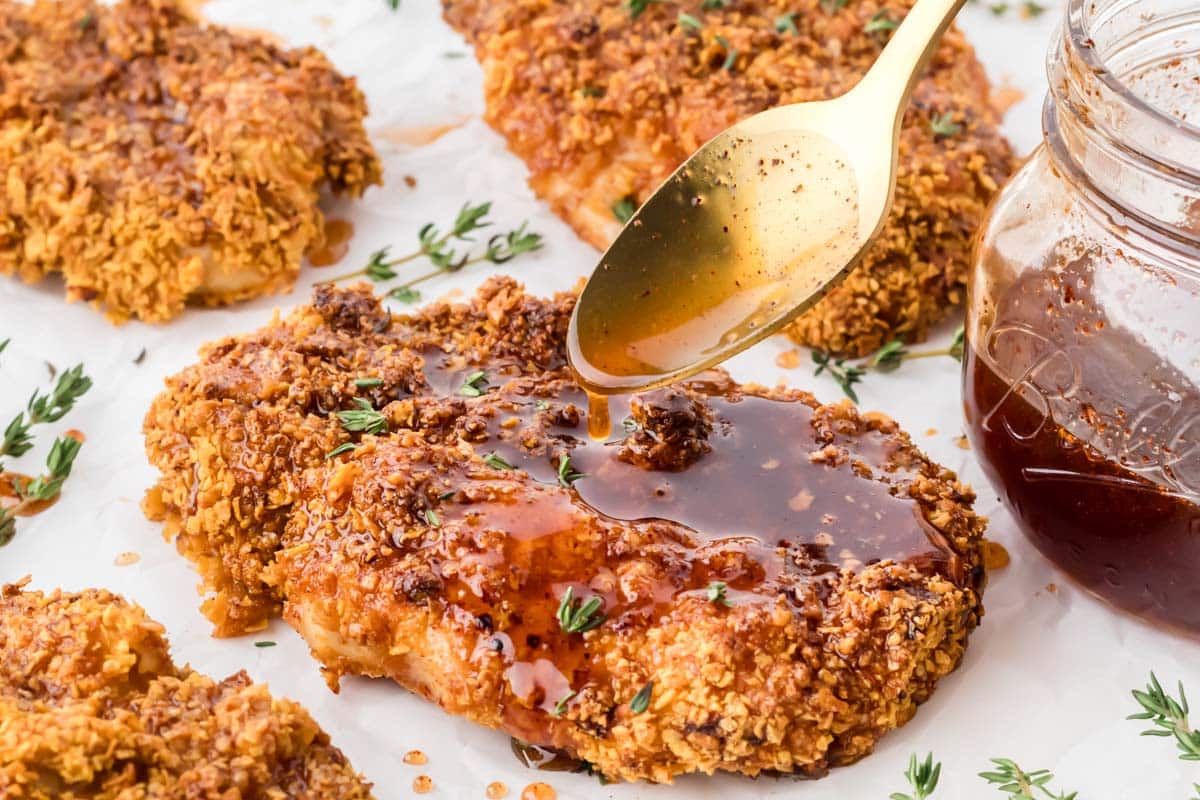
155	161
602	107
438	552
91	706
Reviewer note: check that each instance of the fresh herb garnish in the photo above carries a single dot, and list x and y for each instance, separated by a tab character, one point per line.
731	53
542	405
474	384
58	469
623	209
922	777
560	707
497	462
344	447
582	616
892	355
1169	718
446	495
688	22
566	473
364	418
1021	785
1031	9
368	383
716	594
786	23
592	91
641	700
636	7
881	23
394	5
711	5
833	6
435	246
405	294
432	518
139	358
51	407
630	425
944	124
4	344
845	374
264	643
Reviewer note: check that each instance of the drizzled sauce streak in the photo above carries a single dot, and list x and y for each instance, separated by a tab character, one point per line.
335	244
599	419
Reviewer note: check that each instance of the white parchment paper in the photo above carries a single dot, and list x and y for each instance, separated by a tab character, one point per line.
1046	679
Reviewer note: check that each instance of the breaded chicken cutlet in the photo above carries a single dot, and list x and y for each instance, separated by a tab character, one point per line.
738	579
603	103
91	706
154	161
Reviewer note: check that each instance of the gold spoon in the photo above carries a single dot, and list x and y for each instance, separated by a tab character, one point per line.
753	229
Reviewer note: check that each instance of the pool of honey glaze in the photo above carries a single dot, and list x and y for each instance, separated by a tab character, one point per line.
1130	540
747	504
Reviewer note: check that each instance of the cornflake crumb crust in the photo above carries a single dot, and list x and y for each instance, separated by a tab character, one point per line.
602	106
91	706
435	543
155	161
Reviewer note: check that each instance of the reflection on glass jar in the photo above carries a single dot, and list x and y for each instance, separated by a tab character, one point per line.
1082	378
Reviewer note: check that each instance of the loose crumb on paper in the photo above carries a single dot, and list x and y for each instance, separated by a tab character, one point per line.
1052	588
963	442
788	359
422	784
931	432
127	558
415	758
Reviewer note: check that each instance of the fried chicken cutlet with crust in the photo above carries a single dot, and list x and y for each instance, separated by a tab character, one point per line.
155	161
91	706
788	579
603	105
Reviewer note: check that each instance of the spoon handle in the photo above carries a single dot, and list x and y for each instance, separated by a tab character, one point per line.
894	74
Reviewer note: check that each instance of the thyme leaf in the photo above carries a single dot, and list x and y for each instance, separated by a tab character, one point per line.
579	616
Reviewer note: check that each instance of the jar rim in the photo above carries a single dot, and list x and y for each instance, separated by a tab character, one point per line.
1077	24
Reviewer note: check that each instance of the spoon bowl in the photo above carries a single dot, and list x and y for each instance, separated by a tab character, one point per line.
752	230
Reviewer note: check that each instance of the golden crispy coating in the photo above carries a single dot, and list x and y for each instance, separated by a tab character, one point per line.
789	579
92	707
604	107
155	161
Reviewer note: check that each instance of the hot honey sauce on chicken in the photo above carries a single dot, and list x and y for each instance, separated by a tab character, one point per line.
737	579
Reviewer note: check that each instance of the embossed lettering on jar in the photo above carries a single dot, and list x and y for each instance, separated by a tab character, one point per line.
1082	379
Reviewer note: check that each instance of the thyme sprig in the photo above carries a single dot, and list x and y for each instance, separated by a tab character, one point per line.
363	418
922	777
567	475
1168	717
1021	785
438	248
846	375
579	616
44	487
944	124
886	359
641	700
43	408
716	594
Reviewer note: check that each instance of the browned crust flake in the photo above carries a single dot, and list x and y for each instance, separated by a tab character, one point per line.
602	107
797	675
155	161
91	706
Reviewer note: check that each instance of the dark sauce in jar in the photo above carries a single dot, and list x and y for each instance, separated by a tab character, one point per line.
1093	438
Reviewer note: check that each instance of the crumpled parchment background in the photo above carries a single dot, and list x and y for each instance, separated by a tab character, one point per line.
1046	680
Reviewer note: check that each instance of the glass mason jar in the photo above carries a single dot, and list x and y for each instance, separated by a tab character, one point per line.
1082	375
